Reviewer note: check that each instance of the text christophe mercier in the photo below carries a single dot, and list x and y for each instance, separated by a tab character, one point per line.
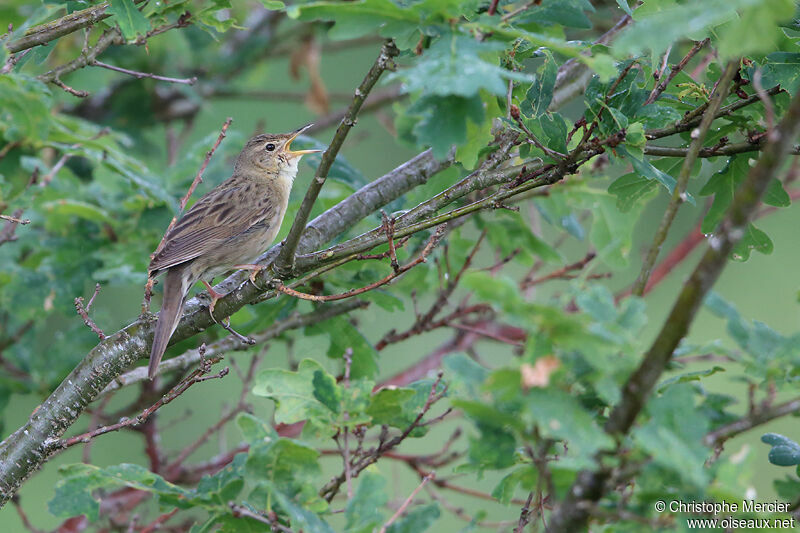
723	507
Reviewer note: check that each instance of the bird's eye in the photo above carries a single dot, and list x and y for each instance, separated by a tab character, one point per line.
270	147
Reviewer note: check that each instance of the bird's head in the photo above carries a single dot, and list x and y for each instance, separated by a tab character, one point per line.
272	154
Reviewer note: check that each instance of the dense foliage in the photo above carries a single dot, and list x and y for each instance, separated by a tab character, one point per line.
548	131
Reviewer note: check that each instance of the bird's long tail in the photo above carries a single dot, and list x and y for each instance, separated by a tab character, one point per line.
177	283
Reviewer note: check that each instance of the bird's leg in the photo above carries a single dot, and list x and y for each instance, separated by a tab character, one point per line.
226	323
214	297
254	270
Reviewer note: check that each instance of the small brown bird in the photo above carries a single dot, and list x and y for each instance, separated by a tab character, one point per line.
227	228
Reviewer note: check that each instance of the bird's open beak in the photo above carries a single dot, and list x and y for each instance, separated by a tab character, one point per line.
293	137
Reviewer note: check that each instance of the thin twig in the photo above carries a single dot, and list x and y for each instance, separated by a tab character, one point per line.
8	233
514	110
408	501
11	62
156	524
422	258
662	85
560	273
239	511
769	109
711	151
23	517
332	487
84	312
525	514
140	75
15	220
521	9
284	264
199	177
388	224
74	92
691	120
348	475
197	376
753	419
679	193
664	64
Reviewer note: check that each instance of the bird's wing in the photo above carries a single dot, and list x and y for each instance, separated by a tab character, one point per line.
223	213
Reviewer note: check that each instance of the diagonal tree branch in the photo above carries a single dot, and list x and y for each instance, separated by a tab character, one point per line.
573	511
284	264
44	33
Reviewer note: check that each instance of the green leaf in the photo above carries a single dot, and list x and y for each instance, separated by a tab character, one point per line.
496	445
455	65
753	239
286	465
551	130
66	208
416	520
389	406
216	16
646	170
479	135
540	93
776	195
614	104
673	439
738	328
722	185
343	335
224	486
511	233
754	29
612	229
74	492
293	393
781	68
561	416
569	13
524	476
303	518
632	188
362	513
465	376
327	391
24	109
659	25
355	19
687	377
634	135
443	121
130	21
254	429
784	451
273	5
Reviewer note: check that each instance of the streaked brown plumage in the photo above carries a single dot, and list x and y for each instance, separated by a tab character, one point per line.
228	227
